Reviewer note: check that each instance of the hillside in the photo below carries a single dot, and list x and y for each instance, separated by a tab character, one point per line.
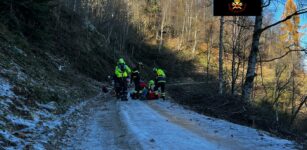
56	55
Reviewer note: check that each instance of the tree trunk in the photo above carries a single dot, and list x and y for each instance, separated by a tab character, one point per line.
209	51
252	61
156	28
195	43
243	66
195	39
304	100
182	35
293	94
221	56
190	21
162	29
233	62
161	34
233	71
292	74
75	6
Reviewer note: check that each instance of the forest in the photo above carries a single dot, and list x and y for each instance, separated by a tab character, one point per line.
256	59
252	69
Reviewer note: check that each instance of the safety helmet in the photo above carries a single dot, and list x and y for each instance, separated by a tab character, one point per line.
151	82
121	61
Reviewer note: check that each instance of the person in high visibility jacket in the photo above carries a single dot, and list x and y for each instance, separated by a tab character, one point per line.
122	71
151	85
160	81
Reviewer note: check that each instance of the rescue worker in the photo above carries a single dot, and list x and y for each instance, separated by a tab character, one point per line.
135	77
152	94
151	85
122	72
160	81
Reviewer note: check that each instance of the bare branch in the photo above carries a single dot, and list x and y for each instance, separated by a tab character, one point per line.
266	5
279	57
244	26
304	100
240	24
302	11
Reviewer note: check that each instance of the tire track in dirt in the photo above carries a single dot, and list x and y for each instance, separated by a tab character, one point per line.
191	126
97	126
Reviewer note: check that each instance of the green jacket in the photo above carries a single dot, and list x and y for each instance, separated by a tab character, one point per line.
122	71
151	84
160	73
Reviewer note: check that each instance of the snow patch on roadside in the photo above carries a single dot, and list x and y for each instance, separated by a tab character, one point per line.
95	126
249	137
31	131
35	132
28	127
154	131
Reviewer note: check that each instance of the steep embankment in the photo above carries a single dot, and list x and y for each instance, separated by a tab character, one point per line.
49	56
27	123
44	69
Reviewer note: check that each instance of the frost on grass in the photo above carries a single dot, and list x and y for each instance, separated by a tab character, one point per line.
21	121
24	132
23	126
49	106
5	88
9	140
21	132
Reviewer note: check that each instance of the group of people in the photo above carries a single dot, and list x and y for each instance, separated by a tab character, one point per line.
124	74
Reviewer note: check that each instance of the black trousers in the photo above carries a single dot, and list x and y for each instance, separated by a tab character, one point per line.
162	86
123	86
117	86
137	87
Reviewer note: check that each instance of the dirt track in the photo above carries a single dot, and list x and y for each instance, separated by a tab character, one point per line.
106	123
96	126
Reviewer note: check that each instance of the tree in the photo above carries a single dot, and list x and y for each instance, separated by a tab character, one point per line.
209	41
252	60
236	47
291	37
165	11
221	56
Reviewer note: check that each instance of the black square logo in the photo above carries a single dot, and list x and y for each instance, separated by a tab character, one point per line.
237	8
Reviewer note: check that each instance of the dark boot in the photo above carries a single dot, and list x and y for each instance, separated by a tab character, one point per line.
163	95
124	96
117	95
137	95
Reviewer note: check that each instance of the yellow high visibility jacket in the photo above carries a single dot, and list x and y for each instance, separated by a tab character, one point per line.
160	73
122	73
161	77
151	84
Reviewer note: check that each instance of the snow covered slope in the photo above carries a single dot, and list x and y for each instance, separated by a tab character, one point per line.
24	126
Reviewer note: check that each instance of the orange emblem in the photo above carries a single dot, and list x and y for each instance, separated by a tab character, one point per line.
237	4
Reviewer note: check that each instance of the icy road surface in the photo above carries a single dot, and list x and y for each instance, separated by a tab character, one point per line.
158	125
